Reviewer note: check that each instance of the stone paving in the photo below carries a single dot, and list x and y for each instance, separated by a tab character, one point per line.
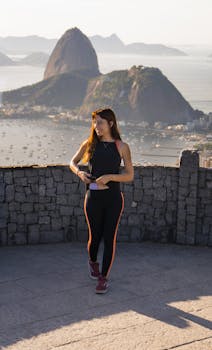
160	297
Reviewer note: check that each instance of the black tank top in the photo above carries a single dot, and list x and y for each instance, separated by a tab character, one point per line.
106	160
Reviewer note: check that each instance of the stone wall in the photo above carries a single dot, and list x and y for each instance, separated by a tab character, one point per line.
164	204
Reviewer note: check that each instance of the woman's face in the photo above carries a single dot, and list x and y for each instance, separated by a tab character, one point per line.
101	126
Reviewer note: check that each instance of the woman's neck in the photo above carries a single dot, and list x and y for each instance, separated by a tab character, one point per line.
106	139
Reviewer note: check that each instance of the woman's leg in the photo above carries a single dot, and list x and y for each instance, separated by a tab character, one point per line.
94	217
112	216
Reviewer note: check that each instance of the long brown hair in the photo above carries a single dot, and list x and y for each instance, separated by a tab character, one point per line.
93	139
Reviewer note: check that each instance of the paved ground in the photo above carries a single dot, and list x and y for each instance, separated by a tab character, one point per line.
160	298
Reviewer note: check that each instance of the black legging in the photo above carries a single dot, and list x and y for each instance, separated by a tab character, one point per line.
103	209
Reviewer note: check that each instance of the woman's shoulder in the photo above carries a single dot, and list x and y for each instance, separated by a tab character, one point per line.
122	144
122	147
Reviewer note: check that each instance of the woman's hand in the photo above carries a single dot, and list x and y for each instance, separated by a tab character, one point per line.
85	177
103	180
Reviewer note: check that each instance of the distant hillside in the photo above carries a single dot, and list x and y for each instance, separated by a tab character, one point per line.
26	44
67	90
110	44
35	59
5	60
113	44
153	49
138	94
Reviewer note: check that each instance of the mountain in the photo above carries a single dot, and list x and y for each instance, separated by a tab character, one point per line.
6	61
73	52
112	44
67	90
35	59
153	49
27	44
108	44
138	94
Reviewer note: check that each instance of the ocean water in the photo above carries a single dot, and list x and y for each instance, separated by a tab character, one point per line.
44	141
191	75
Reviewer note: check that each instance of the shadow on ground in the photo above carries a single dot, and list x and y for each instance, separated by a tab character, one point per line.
46	287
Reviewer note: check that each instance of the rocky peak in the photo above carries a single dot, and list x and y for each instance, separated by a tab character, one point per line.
73	52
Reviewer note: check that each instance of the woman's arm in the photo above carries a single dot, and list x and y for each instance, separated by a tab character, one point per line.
128	173
76	159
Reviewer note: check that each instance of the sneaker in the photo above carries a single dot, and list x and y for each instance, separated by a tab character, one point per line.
102	286
93	268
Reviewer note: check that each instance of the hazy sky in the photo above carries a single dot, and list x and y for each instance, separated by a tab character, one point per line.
149	21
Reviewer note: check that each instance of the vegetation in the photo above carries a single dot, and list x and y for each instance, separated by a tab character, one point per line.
203	146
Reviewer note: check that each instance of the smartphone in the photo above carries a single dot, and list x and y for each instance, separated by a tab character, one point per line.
93	186
93	178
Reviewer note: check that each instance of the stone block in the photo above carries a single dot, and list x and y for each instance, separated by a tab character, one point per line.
19	238
13	217
133	220
56	223
194	178
22	181
32	180
160	194
11	228
8	178
51	192
147	182
137	184
26	207
137	195
20	197
82	235
13	206
49	182
2	189
62	199
66	221
74	200
3	237
19	173
3	223
42	190
208	210
20	219
60	188
27	190
67	178
9	193
52	236
1	175
81	222
66	210
57	175
181	238
44	220
190	239
209	174
77	211
135	234
191	210
31	218
184	182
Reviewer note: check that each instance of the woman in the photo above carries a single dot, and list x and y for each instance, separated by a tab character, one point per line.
104	202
